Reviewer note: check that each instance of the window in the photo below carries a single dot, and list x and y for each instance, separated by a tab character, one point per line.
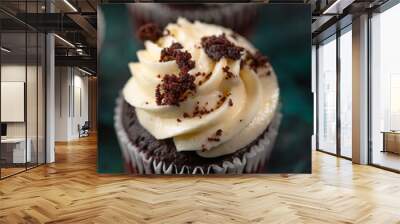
327	96
346	92
385	89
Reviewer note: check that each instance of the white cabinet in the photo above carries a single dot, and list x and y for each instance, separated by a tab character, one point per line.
18	149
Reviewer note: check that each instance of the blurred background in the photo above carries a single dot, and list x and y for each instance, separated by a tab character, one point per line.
281	31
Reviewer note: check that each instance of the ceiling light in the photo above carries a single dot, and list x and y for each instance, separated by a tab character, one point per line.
5	50
70	5
65	41
84	71
338	6
331	7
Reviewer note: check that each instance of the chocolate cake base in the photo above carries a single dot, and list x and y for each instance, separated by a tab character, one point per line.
165	150
145	154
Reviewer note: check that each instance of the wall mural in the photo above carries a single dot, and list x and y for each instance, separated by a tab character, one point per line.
204	88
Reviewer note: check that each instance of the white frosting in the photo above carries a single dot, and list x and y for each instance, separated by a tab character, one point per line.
254	95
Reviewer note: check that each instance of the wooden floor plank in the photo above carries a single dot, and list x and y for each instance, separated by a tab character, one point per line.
70	191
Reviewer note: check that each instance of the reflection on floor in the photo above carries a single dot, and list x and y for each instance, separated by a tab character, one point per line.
386	159
70	191
10	169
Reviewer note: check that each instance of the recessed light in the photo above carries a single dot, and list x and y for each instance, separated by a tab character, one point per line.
5	49
70	5
64	40
84	71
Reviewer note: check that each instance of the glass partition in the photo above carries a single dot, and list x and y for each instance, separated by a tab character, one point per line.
22	77
327	95
14	143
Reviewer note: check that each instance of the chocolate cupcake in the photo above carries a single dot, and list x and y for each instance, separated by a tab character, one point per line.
239	17
201	100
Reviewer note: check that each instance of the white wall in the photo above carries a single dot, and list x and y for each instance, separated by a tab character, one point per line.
62	81
16	72
33	127
71	102
12	73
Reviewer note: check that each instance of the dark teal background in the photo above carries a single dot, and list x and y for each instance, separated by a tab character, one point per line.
282	32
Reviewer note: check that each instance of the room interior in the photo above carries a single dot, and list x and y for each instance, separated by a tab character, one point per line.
48	128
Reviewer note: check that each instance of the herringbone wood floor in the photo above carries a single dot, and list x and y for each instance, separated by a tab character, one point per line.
70	191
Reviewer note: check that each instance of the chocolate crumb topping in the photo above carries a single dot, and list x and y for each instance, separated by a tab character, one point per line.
228	73
230	102
203	74
169	53
240	120
256	60
217	47
215	138
184	62
174	89
211	139
178	120
182	58
149	31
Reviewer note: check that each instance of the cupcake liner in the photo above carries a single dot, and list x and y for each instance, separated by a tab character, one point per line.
252	161
239	17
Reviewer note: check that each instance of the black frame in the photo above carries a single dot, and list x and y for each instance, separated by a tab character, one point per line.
29	29
339	32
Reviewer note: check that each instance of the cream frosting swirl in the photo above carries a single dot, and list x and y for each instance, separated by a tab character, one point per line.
239	108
